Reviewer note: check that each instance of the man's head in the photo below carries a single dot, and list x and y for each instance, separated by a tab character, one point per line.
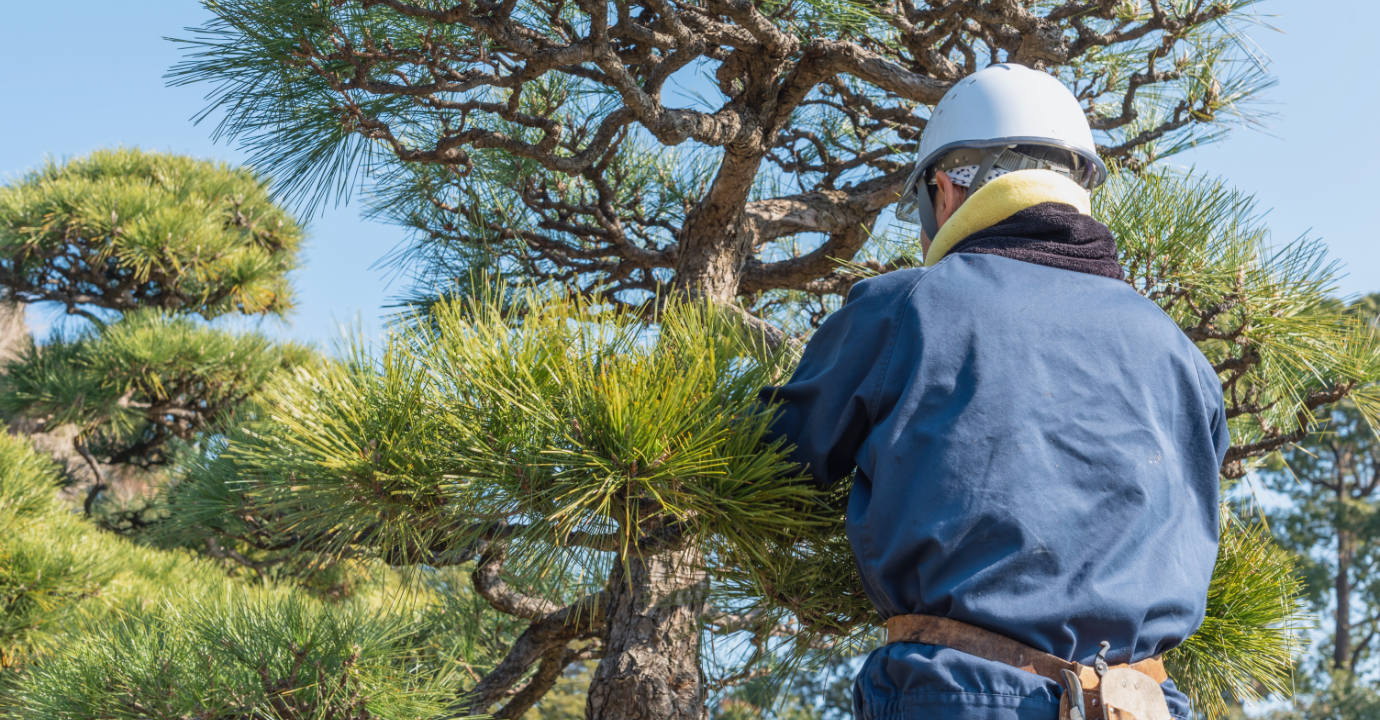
949	181
1005	118
945	195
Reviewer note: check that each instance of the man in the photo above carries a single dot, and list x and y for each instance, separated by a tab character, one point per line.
1036	445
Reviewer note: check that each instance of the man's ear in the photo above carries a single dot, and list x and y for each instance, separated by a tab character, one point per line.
948	197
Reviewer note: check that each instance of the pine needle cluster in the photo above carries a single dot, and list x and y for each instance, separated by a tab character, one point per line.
560	428
539	442
271	656
1245	647
46	563
94	626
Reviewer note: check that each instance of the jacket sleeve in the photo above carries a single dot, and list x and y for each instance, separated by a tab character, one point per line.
1214	408
1221	436
828	407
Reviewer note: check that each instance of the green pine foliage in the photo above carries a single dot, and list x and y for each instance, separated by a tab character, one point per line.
1345	697
93	626
46	562
132	385
268	656
1331	525
56	569
126	229
1245	647
578	432
139	244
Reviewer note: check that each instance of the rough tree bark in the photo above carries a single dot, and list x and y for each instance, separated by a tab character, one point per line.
717	238
651	666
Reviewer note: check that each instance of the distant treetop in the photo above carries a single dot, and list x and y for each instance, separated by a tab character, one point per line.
126	229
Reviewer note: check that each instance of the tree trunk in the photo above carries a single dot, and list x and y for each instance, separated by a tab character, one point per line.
650	669
717	238
14	331
651	664
1341	652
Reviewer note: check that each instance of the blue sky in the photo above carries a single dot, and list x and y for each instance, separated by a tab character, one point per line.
82	75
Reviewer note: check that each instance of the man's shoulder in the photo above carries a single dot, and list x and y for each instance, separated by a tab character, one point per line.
978	283
975	279
887	287
982	278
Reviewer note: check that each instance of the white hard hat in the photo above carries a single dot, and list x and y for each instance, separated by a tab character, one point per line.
993	110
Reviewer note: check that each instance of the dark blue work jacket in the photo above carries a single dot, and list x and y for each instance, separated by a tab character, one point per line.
1036	453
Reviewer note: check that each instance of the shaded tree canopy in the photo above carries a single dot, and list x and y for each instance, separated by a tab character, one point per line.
1333	527
93	626
126	229
131	386
738	149
1332	523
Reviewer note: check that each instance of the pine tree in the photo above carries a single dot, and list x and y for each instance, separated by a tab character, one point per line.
594	471
97	627
144	249
127	230
585	452
1332	527
541	141
139	244
735	149
1331	480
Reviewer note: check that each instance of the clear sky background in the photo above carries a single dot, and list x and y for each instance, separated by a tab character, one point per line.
80	75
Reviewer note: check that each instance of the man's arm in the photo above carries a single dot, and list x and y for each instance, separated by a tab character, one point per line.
1216	409
828	407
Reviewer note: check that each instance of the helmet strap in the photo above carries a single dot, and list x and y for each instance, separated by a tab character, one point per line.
989	160
925	206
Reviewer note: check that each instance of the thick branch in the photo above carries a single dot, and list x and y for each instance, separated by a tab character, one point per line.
489	584
555	630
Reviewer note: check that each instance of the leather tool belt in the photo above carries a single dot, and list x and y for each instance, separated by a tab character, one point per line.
1101	692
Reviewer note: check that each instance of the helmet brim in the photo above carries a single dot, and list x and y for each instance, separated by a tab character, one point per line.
1094	162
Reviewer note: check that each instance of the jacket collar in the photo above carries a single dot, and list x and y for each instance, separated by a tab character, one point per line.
1002	198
